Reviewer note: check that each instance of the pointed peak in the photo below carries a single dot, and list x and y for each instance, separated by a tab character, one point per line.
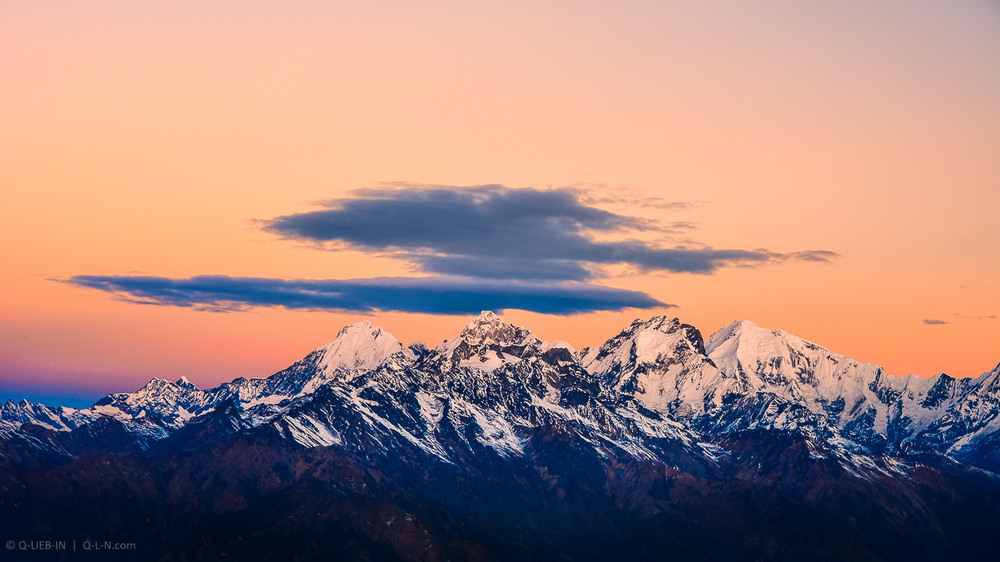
739	329
748	339
416	350
747	328
660	323
490	328
990	375
156	383
362	345
486	318
645	342
360	333
737	325
725	333
184	382
359	327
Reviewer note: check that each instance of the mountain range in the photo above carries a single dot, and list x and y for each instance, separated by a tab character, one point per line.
495	445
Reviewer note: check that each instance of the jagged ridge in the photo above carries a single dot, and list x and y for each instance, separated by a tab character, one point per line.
496	445
655	380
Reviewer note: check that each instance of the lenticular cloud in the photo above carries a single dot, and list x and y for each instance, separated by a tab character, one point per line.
422	295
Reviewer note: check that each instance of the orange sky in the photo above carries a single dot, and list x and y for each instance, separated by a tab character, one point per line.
147	138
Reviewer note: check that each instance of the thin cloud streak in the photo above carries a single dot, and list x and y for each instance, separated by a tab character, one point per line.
974	317
433	295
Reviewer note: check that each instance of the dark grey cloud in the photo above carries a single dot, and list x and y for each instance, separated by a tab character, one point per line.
934	322
495	232
433	295
488	247
505	268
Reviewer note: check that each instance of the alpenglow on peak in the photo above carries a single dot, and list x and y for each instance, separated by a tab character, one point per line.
360	346
488	328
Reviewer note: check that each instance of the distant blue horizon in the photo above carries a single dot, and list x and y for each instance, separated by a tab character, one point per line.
80	399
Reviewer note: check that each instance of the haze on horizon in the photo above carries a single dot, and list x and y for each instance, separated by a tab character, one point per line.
211	191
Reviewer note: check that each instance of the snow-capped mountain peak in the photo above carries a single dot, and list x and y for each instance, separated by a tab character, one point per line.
185	383
743	377
486	343
157	387
13	414
782	363
159	396
726	334
359	346
659	362
488	328
644	342
647	423
859	398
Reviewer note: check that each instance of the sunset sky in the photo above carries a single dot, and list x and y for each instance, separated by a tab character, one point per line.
213	189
